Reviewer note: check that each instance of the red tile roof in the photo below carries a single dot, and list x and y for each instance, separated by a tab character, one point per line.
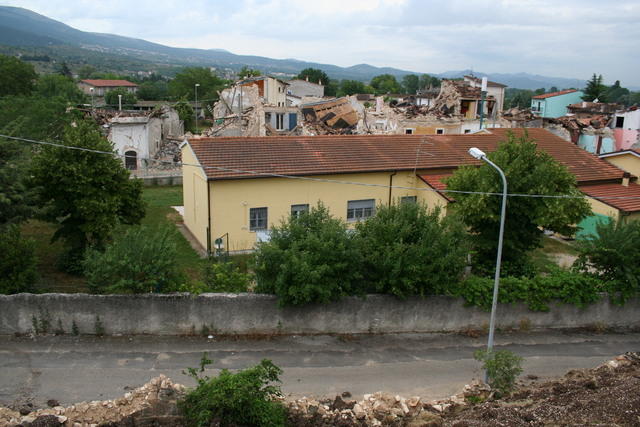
336	154
109	83
552	94
434	180
623	204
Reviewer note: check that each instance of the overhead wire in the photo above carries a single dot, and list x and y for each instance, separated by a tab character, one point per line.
314	179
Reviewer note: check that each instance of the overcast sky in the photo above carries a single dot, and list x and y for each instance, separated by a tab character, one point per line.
563	38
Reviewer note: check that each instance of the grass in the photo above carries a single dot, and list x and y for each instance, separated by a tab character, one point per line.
543	258
159	212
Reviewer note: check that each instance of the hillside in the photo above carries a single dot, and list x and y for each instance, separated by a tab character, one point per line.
25	32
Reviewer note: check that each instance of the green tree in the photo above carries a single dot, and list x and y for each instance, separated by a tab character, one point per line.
332	88
248	72
427	81
128	98
385	83
86	71
528	171
63	70
84	194
183	84
314	75
310	258
17	261
595	89
55	85
153	90
553	89
16	198
411	83
520	98
34	117
18	77
138	260
618	94
351	87
408	250
185	113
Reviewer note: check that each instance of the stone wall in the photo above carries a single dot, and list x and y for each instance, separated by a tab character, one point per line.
178	314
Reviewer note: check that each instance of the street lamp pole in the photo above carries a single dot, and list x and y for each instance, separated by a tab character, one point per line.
196	109
480	155
483	94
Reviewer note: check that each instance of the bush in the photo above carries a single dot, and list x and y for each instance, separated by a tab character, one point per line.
17	261
536	292
220	276
502	367
139	260
408	250
310	258
244	398
612	255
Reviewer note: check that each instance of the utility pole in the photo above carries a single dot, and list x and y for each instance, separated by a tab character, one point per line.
196	109
119	102
483	93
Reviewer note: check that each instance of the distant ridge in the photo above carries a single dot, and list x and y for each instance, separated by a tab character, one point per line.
26	29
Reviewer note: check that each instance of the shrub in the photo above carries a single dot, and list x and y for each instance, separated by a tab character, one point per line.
139	260
408	250
309	258
220	276
244	398
502	367
536	292
612	255
17	261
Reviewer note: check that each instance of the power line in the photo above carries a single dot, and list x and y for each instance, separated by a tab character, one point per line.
324	180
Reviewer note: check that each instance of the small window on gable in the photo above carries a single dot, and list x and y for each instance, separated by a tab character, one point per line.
257	219
467	131
297	210
408	199
360	209
408	131
439	131
620	121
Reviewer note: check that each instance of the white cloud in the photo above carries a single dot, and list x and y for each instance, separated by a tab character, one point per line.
570	38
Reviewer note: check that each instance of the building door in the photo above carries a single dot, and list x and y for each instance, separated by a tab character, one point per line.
131	160
293	120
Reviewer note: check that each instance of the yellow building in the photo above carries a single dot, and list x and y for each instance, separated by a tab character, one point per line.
235	189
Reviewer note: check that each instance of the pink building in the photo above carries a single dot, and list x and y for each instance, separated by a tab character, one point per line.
626	128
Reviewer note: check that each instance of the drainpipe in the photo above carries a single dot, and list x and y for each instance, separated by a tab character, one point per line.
391	184
208	218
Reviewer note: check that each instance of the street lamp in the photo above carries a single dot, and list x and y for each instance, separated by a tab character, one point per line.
479	154
483	93
91	90
197	84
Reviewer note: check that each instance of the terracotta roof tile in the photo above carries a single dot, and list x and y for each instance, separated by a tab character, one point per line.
109	83
552	94
616	190
336	154
435	181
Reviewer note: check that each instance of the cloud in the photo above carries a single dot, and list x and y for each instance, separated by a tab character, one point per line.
569	38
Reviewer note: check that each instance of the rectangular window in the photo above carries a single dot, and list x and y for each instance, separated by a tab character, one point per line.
467	131
439	131
408	199
297	210
360	209
279	121
620	121
257	219
408	131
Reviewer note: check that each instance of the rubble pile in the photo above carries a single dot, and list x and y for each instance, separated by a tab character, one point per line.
239	112
155	399
332	117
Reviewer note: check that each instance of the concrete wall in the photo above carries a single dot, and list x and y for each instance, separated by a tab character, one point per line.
194	194
259	314
304	88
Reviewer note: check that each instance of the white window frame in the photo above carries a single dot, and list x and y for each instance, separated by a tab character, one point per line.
279	121
258	222
358	210
408	199
297	210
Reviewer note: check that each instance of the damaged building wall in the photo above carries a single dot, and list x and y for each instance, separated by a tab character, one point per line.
239	112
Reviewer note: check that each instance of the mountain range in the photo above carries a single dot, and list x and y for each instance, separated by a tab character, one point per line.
25	31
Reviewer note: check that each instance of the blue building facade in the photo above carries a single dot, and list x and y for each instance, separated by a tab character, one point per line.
554	104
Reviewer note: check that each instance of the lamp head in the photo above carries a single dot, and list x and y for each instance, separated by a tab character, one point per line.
197	84
476	153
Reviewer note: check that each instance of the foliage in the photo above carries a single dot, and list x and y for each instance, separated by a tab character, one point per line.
62	69
220	276
35	117
310	258
351	87
17	261
185	113
84	194
182	86
138	260
153	90
384	84
528	171
408	250
248	72
315	76
18	77
411	83
520	98
86	71
55	85
128	98
595	89
536	292
16	199
612	255
617	94
502	367
427	81
244	398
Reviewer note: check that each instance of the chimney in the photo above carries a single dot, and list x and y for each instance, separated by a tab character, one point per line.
625	179
584	104
379	102
307	78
